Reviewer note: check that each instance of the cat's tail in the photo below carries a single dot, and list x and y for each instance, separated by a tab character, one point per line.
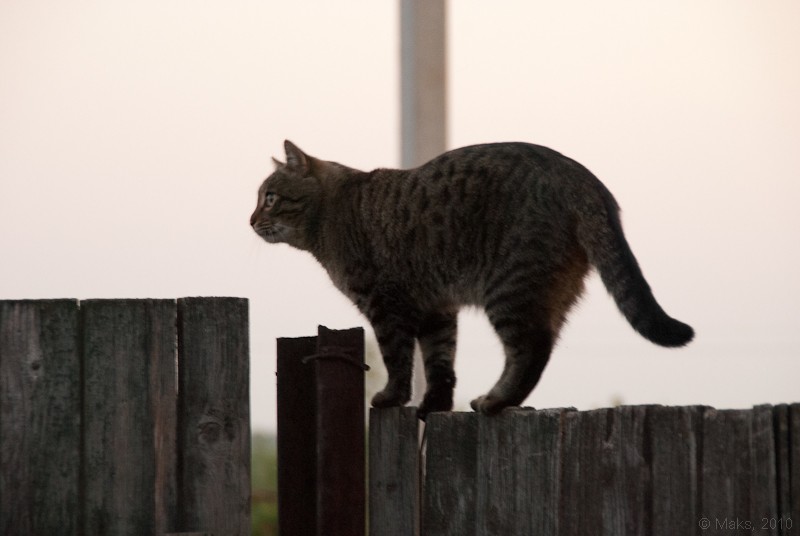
600	232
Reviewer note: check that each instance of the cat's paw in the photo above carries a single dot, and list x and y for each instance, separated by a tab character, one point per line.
488	404
435	401
388	398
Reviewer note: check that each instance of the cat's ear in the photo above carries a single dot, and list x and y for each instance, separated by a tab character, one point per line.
278	163
296	159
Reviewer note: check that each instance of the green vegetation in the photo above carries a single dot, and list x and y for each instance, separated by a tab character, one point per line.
264	474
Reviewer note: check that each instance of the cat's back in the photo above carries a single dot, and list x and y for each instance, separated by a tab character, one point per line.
496	151
469	199
504	171
470	184
493	157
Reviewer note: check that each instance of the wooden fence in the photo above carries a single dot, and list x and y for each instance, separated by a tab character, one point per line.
124	417
132	417
643	470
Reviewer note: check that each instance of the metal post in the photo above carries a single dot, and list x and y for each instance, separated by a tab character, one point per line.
423	80
321	468
297	441
423	88
339	374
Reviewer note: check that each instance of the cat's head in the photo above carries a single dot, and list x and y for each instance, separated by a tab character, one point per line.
289	200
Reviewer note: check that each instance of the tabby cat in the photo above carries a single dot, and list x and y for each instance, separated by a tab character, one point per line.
510	227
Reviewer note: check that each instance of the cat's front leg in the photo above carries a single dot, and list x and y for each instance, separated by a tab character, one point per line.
397	348
395	327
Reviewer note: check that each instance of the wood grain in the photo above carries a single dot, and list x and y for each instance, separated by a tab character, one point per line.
676	447
451	460
605	483
39	417
129	416
213	416
737	476
393	471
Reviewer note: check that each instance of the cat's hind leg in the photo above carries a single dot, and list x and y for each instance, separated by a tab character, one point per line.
528	345
437	340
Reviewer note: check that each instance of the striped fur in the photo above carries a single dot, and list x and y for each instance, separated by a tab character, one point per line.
510	227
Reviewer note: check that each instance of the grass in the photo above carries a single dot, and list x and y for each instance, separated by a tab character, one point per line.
264	476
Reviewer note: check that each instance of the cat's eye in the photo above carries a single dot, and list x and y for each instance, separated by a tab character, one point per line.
270	199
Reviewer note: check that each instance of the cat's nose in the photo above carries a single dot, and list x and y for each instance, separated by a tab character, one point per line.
253	218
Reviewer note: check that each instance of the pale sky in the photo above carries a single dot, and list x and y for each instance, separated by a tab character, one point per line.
133	138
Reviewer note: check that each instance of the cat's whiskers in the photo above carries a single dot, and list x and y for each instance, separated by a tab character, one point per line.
276	231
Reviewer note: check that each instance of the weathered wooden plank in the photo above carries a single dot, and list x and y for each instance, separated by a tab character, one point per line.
782	459
214	415
339	374
725	461
787	454
793	512
393	471
164	413
518	472
451	462
39	417
536	466
129	415
737	481
512	463
763	481
297	440
494	483
606	480
675	444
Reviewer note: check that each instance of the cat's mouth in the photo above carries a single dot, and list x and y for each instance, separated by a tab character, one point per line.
270	232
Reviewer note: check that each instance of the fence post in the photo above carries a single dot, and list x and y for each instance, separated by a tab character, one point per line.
394	471
451	460
676	446
493	475
321	434
297	440
129	415
738	466
40	417
606	453
787	451
522	447
341	465
214	416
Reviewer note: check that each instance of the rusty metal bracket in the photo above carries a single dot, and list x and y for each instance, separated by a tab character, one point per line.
338	353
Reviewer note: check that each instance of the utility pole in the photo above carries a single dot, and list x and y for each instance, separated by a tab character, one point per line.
423	89
423	80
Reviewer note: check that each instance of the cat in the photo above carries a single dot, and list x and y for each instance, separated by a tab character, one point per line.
510	227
